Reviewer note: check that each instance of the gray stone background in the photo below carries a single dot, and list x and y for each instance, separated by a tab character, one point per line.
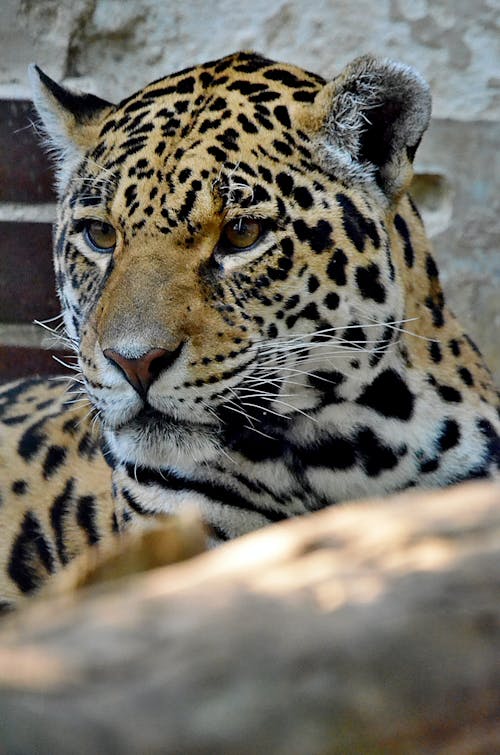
113	47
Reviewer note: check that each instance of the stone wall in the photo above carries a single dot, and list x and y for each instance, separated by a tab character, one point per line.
115	46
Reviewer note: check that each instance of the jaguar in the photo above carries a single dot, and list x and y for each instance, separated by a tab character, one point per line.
253	308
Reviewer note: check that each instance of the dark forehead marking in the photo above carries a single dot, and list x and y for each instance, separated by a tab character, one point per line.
256	76
132	97
289	79
176	111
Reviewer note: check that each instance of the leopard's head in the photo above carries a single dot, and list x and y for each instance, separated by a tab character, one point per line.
222	235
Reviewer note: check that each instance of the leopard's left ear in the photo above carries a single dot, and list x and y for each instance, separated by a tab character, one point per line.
371	119
71	120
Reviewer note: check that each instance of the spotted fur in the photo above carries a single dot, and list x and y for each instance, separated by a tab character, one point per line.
317	365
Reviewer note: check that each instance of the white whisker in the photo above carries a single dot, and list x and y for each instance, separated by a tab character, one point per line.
259	432
85	416
239	411
244	392
73	367
96	419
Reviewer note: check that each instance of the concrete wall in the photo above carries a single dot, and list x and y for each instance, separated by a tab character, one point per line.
115	46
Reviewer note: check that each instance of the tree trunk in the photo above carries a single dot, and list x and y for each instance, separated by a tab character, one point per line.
368	628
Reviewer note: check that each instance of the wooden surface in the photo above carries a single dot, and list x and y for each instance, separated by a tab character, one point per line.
368	628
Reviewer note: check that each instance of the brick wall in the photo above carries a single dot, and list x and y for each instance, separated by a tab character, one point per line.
27	208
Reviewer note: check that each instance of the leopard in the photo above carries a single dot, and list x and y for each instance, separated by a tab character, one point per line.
252	312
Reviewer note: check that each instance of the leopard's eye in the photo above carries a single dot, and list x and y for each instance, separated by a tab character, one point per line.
100	236
240	234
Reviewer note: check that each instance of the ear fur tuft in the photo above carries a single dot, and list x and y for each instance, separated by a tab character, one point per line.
70	120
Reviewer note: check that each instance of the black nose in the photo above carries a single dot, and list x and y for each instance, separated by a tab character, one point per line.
143	371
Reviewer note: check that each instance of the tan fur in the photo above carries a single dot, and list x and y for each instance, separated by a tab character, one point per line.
326	167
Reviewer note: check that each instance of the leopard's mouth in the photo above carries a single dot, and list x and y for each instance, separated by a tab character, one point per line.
148	414
155	439
150	418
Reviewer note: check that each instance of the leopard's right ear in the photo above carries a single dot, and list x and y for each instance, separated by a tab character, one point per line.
71	120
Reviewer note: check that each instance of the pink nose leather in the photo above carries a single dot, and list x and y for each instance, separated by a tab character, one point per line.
143	371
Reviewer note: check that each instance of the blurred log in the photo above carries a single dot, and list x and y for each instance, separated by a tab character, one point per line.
369	628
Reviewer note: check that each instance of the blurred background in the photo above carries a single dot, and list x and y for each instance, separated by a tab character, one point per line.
113	47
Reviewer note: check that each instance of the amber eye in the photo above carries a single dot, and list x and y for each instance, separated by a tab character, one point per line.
100	236
240	234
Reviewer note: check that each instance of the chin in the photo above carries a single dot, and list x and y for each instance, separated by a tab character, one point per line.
163	443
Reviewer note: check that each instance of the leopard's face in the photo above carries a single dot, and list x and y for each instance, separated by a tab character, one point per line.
203	229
